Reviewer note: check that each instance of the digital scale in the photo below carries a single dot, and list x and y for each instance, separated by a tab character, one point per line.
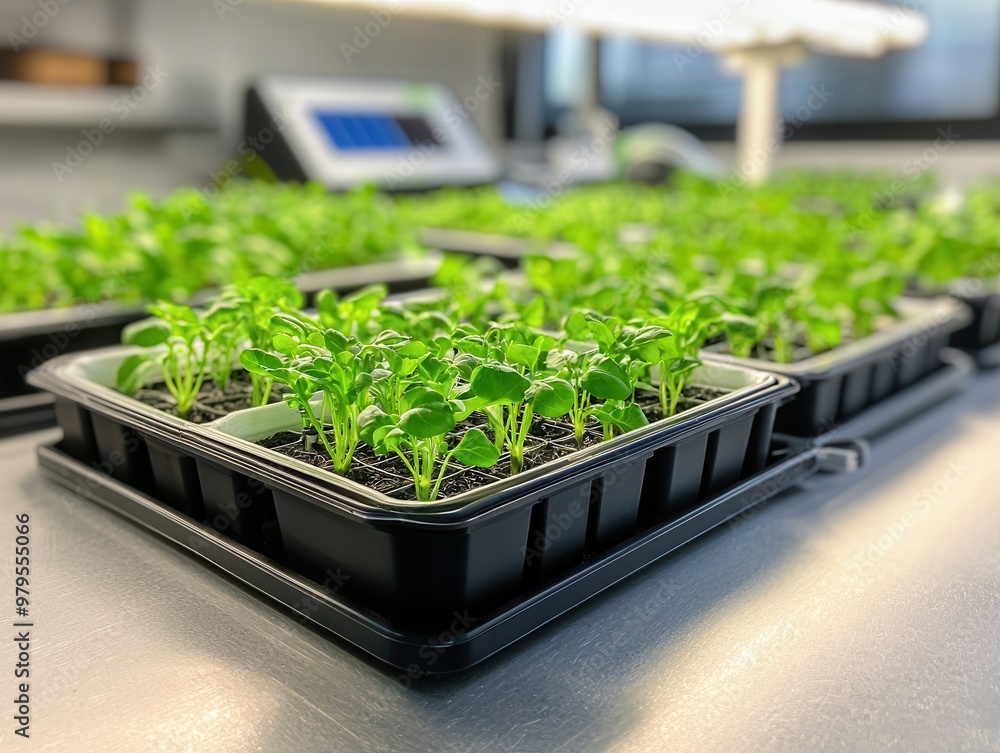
342	132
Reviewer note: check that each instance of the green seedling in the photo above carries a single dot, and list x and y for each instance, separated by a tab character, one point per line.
418	436
258	300
331	365
510	384
184	346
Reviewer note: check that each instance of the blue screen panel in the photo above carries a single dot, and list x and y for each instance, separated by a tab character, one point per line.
363	131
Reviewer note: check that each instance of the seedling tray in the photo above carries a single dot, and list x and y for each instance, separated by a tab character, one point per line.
509	250
988	358
417	563
416	653
984	329
470	637
843	382
28	339
955	372
981	336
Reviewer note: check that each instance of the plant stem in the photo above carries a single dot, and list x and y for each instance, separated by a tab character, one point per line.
318	426
495	420
675	395
427	455
440	478
580	402
261	389
519	436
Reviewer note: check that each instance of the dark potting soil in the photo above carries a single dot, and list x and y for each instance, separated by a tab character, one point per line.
548	440
279	439
211	402
690	398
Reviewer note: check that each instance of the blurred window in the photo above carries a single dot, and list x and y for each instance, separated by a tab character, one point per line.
954	75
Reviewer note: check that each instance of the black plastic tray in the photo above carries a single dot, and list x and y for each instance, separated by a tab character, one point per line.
507	249
988	358
470	636
29	338
844	447
981	336
417	563
836	385
843	382
473	636
984	329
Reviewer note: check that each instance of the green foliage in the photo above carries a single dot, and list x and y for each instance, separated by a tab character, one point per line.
798	264
418	435
184	346
169	249
510	383
257	300
327	363
780	271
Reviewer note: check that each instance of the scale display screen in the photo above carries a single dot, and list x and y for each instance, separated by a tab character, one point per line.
343	132
370	131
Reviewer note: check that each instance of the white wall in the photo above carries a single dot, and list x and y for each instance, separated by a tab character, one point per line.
257	38
210	51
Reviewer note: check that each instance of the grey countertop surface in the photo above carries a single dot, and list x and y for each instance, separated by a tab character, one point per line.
861	613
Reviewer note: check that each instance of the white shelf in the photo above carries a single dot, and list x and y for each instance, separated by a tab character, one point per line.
39	105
